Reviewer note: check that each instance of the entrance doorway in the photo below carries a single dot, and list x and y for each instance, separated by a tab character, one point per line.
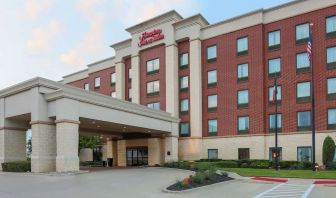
98	154
137	156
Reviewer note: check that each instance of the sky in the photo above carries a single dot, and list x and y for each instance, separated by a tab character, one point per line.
53	38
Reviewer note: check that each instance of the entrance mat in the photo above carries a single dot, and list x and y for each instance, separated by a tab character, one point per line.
325	182
270	179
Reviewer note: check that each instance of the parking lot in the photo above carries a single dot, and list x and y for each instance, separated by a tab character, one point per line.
136	182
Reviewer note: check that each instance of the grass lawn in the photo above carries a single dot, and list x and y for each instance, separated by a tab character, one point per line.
306	174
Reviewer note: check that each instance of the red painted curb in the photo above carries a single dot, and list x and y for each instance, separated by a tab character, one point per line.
270	179
325	182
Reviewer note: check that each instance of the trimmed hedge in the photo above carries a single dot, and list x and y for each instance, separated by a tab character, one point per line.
17	166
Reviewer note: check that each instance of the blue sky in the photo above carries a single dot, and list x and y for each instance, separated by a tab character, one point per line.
52	38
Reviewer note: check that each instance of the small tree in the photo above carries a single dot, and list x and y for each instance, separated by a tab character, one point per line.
328	150
88	141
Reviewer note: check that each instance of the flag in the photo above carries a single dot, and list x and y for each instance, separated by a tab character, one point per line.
275	91
309	47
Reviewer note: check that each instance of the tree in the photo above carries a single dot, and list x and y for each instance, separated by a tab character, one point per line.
328	150
88	141
29	146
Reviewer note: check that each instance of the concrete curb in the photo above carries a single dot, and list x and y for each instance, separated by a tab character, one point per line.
45	174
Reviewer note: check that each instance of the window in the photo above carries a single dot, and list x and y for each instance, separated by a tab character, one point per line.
212	78
331	118
243	98
272	122
270	94
86	86
130	74
212	53
184	83
331	88
302	33
212	103
97	83
331	26
130	94
153	88
154	105
303	120
113	79
303	92
184	106
212	127
184	60
243	153
274	40
153	66
212	153
304	154
274	67
113	94
243	124
242	72
302	62
184	129
331	57
272	153
242	46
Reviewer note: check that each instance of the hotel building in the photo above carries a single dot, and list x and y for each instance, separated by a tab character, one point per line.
194	90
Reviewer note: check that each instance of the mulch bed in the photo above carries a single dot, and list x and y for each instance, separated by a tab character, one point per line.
215	179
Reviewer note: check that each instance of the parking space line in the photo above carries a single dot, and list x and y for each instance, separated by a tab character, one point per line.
287	190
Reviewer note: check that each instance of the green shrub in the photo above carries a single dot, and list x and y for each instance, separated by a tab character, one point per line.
203	166
304	165
17	166
288	164
209	160
259	164
331	166
328	150
227	164
199	177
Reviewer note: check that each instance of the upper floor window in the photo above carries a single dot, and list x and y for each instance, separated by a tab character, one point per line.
97	83
331	88
242	72
303	92
302	62
331	57
184	60
212	53
274	66
86	86
272	122
331	26
184	129
184	84
243	98
242	46
130	94
212	102
113	78
153	66
212	78
154	105
302	33
113	94
243	124
274	40
184	106
303	120
153	88
271	94
130	74
212	127
331	118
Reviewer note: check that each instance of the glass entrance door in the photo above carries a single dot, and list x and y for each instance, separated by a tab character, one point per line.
137	156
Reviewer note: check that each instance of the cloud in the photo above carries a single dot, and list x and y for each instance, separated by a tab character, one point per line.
43	36
72	58
35	7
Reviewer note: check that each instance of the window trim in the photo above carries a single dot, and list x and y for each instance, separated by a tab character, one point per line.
212	133
331	96
157	93
243	79
153	71
212	84
113	83
245	52
305	99
95	86
248	149
246	131
273	47
153	105
212	59
85	87
243	105
297	152
329	34
272	75
331	65
270	103
303	128
304	69
212	150
184	112
330	126
181	67
272	130
184	88
180	127
303	40
212	109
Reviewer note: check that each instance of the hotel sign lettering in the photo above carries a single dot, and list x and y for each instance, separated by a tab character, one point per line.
149	37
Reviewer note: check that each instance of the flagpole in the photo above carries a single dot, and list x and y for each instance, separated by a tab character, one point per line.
312	102
276	124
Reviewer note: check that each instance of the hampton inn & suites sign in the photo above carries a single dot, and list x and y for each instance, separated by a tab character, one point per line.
149	37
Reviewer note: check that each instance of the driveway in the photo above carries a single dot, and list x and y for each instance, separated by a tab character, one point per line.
137	183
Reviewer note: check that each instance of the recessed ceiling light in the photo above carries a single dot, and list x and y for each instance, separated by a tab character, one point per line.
124	127
93	122
98	126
